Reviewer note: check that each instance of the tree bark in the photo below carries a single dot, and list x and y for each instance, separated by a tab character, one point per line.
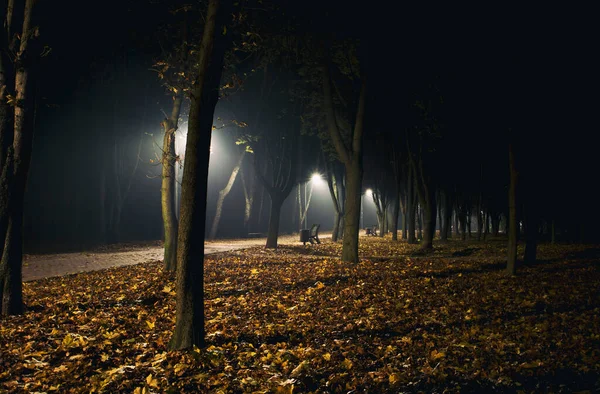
511	265
445	232
352	209
168	184
273	234
17	171
395	213
249	192
411	208
336	198
189	325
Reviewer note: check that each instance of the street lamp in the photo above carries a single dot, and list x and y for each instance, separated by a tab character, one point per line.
368	192
314	179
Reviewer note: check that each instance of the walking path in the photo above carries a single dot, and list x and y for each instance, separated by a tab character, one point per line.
49	265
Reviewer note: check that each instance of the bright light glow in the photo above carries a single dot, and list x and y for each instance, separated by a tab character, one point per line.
316	178
369	192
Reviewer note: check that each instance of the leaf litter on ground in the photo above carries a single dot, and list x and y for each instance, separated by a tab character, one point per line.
298	320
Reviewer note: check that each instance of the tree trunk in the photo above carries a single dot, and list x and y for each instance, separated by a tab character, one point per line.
445	232
332	183
469	216
462	218
404	225
412	209
419	222
511	265
167	190
11	282
429	216
20	156
336	226
189	325
249	193
486	226
273	233
395	213
223	194
479	222
456	227
352	207
352	158
495	224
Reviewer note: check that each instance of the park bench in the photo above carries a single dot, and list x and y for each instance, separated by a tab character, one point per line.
311	235
371	230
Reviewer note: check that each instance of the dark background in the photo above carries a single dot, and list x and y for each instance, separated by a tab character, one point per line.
532	70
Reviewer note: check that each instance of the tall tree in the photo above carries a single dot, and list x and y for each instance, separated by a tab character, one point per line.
189	325
350	152
511	265
277	148
17	103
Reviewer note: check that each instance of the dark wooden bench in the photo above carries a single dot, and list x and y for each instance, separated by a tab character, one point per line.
372	230
314	234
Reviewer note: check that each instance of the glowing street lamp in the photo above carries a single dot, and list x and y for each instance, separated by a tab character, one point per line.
315	179
369	193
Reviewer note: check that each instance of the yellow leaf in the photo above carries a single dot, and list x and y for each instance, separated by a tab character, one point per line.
393	378
319	285
327	356
151	381
435	355
298	370
347	364
254	271
180	369
68	341
287	389
150	324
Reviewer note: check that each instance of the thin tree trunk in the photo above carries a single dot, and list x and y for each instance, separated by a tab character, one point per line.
419	222
332	184
395	213
273	233
511	265
411	208
223	194
249	200
168	185
469	216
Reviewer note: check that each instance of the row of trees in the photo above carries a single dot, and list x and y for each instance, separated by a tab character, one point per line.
308	86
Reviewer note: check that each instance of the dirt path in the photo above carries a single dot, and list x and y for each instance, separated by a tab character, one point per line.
49	265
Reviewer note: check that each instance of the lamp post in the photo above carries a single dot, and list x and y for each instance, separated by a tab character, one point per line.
367	192
315	178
